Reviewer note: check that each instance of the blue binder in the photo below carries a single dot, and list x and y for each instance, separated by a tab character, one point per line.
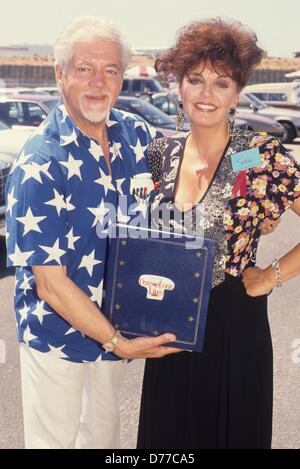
159	282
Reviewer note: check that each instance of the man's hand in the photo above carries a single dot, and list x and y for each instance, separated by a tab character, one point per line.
146	347
268	226
258	281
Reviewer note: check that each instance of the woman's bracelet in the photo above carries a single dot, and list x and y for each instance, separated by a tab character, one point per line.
276	267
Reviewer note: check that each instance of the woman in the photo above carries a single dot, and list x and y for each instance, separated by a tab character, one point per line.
222	397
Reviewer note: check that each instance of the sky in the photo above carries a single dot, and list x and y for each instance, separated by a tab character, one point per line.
152	23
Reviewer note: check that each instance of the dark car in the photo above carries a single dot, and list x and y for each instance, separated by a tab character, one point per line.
138	86
149	113
168	103
26	110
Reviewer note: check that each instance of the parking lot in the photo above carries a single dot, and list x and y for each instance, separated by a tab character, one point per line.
284	314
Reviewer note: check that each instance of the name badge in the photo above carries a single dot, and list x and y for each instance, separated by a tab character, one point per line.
245	160
141	184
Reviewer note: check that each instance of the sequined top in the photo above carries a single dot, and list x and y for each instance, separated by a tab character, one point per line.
230	217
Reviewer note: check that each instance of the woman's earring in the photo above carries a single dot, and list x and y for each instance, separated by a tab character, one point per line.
231	121
179	117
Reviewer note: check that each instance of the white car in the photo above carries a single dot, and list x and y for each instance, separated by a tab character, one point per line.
13	139
285	95
11	143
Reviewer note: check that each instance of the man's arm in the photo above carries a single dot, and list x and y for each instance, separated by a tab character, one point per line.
70	302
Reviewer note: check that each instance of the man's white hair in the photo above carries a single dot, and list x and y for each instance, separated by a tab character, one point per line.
87	28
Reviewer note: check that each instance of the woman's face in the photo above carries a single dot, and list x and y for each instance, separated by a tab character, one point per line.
208	96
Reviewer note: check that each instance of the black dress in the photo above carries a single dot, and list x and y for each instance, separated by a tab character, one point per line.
222	397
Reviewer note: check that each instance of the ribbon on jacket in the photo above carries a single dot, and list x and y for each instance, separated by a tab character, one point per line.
240	185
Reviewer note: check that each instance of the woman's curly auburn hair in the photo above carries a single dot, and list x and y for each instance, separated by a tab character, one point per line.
229	46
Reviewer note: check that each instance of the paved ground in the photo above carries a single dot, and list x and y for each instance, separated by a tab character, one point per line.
284	313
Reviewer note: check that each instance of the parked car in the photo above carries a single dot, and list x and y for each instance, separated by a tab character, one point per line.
259	123
26	110
137	86
53	90
149	113
285	95
288	118
168	103
5	165
21	91
13	139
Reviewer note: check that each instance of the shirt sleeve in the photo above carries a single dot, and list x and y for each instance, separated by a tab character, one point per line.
36	214
283	179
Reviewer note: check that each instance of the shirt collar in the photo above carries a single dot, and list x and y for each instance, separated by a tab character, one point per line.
69	131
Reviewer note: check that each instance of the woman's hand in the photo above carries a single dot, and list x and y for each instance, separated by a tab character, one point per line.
268	226
258	281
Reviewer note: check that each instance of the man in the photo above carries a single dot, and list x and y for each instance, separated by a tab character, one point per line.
75	166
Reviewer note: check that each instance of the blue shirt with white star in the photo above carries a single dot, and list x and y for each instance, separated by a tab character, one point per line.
58	194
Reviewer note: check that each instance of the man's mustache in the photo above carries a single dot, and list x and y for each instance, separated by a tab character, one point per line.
102	94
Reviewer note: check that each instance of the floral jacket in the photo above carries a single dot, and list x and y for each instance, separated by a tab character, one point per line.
235	204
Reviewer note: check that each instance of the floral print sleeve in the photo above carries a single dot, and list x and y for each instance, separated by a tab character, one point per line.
271	188
279	177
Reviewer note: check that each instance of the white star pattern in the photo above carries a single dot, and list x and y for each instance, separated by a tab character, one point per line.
105	181
25	284
67	139
57	351
23	312
119	185
61	200
73	167
141	124
139	150
88	262
121	217
141	206
99	213
19	257
64	112
55	253
116	151
27	336
110	123
72	330
69	206
72	239
58	202
11	201
97	293
30	222
33	170
96	150
40	312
